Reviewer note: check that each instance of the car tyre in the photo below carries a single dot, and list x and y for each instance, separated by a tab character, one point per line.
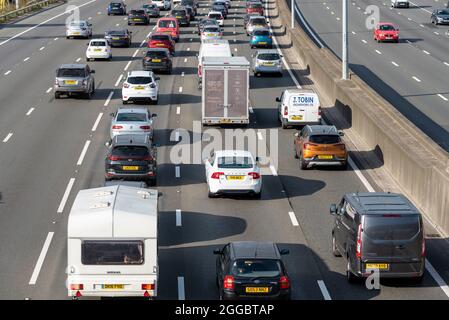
211	194
151	182
302	163
335	251
344	166
57	95
124	102
352	278
257	195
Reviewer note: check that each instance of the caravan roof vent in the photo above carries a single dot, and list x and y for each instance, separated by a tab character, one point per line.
100	205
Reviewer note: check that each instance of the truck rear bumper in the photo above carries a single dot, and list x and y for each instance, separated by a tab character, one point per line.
224	121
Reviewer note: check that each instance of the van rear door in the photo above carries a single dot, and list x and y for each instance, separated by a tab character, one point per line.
303	107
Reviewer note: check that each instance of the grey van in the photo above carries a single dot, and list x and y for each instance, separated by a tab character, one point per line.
379	231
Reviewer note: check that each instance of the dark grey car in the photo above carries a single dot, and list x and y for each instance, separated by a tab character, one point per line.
74	79
157	59
381	232
440	16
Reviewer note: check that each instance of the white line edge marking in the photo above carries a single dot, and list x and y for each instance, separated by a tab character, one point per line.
304	23
324	291
394	63
177	172
259	135
178	218
273	170
40	260
443	285
127	65
29	111
8	137
293	218
7	72
109	98
420	7
97	121
26	59
83	153
49	89
443	97
118	80
178	110
135	53
66	195
181	290
362	178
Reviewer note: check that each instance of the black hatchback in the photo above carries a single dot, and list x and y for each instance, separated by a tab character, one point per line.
252	270
119	37
138	17
157	59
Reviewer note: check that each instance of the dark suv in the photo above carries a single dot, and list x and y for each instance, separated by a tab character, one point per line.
131	157
379	232
181	15
138	17
252	270
157	59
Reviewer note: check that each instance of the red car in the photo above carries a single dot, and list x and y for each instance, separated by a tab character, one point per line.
254	7
386	31
168	25
161	40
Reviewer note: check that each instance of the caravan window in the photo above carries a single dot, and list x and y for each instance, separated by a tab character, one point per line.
111	252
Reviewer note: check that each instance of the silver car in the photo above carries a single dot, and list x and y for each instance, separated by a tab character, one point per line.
132	121
267	61
255	22
79	28
74	79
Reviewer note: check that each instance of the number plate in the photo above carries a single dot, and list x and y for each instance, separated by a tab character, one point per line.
139	88
160	44
262	43
70	82
268	64
97	50
325	157
256	290
76	33
131	168
235	177
113	286
225	121
380	266
115	38
155	60
296	118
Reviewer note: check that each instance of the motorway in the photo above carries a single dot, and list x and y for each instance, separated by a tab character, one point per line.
44	163
412	74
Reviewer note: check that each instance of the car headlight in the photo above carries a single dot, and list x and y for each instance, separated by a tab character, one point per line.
439	19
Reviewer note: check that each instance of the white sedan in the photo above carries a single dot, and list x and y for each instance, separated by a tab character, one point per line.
98	49
140	86
162	4
211	32
233	172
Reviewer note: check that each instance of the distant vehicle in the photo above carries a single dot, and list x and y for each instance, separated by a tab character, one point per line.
320	145
168	25
140	86
440	16
254	7
117	8
79	29
252	270
216	15
74	79
211	32
206	22
138	17
226	3
220	7
157	59
212	48
380	232
151	10
247	17
233	172
131	157
98	49
193	3
181	15
267	61
161	40
261	37
190	12
163	4
255	22
386	31
119	37
132	120
298	107
117	254
400	3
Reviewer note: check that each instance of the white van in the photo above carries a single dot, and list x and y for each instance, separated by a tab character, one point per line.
112	243
299	107
212	48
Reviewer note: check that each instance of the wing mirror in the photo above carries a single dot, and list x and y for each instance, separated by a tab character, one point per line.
112	114
153	115
157	79
341	133
297	134
155	145
108	144
92	71
278	99
333	209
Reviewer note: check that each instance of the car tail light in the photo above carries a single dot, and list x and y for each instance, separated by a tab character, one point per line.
148	286
114	158
228	282
78	294
307	145
285	111
423	247
340	146
254	175
145	127
216	175
116	127
146	294
284	283
125	85
147	158
76	286
358	252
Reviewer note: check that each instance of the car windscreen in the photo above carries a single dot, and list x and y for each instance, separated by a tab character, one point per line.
139	80
211	29
258	21
268	56
112	252
160	37
187	2
178	12
444	12
386	27
254	268
391	226
255	5
98	43
156	54
234	162
77	24
71	72
215	16
116	5
130	151
131	117
264	33
218	6
167	24
117	33
325	138
137	12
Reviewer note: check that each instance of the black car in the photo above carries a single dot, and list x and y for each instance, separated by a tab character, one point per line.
151	10
190	12
117	8
157	59
206	22
252	270
138	17
131	157
181	15
220	8
193	3
119	37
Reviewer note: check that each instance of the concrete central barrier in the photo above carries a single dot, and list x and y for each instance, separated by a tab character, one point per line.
416	163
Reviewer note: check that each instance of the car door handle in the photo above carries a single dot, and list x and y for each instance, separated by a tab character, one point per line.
400	247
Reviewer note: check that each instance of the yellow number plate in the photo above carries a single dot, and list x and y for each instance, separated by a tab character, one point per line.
380	266
77	33
262	43
296	117
114	286
131	168
160	44
96	50
178	17
235	177
115	38
70	82
325	157
156	60
139	88
225	121
269	64
256	289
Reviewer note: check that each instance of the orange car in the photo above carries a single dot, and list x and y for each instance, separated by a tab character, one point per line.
320	145
168	25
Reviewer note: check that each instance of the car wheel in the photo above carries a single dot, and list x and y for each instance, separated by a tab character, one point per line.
211	194
151	182
344	166
257	195
296	151
57	95
335	251
349	275
124	101
302	163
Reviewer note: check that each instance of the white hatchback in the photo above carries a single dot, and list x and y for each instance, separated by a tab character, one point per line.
211	32
162	4
98	49
79	28
216	15
140	86
233	172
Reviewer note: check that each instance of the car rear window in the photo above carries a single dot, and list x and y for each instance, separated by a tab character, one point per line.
252	268
77	24
258	21
167	24
391	227
211	29
98	43
386	27
71	72
161	37
215	16
443	12
117	33
139	80
130	151
325	139
137	12
112	252
131	117
156	54
116	5
268	56
261	33
178	12
235	163
255	5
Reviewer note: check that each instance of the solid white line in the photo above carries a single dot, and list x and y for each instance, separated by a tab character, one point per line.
259	135
426	52
364	41
26	59
378	52
178	110
40	260
353	32
97	121
135	53
66	195
437	278
362	178
181	293
180	89
408	41
49	89
143	41
83	153
177	172
182	74
293	218
178	218
77	60
118	80
251	110
416	79
42	48
7	137
127	65
446	63
273	170
394	63
7	72
324	291
109	98
29	111
442	97
420	7
176	135
304	23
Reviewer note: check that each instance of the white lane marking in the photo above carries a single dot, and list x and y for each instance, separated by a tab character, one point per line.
408	41
378	52
182	74
117	24
178	218
446	63
359	8
77	60
176	135
235	49
97	121
26	59
324	291
177	172
8	137
327	8
55	39
259	135
437	278
293	218
99	12
178	110
338	19
436	33
364	41
127	65
442	97
181	290
109	98
420	7
188	49
353	32
362	178
426	52
90	18
7	72
29	111
421	25
192	39
409	19
135	53
142	43
273	170
118	80
49	89
394	63
83	153
251	110
66	195
40	260
124	19
185	59
332	12
416	79
180	89
42	48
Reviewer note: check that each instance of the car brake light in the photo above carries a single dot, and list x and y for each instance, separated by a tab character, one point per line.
145	127
116	127
423	247
147	286
285	111
216	175
125	85
254	175
358	252
76	287
228	282
340	146
308	144
114	158
284	283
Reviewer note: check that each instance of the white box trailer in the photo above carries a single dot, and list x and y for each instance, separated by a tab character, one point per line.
225	91
112	247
